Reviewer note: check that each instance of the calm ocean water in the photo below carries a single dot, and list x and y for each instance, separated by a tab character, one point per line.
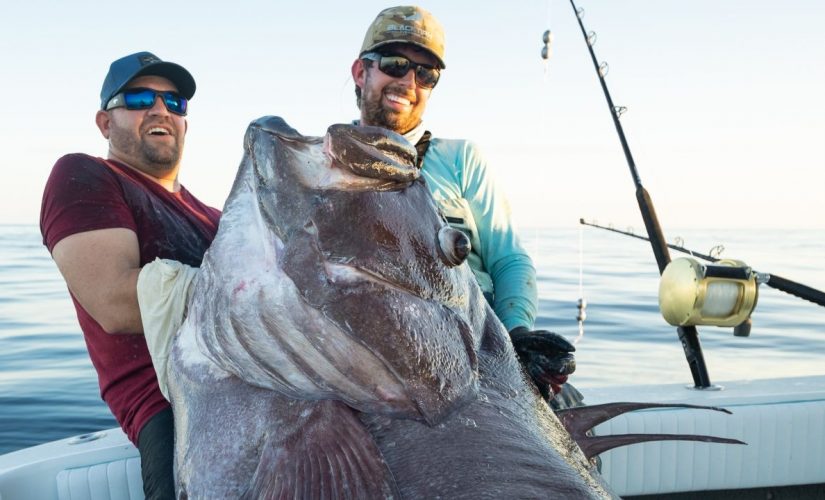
48	388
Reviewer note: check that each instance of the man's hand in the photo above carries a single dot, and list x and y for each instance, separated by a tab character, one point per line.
547	357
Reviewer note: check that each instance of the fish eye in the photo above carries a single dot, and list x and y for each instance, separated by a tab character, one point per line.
453	246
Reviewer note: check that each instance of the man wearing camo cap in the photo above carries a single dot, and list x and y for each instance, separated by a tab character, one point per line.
397	68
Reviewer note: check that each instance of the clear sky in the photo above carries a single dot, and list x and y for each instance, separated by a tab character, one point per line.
725	98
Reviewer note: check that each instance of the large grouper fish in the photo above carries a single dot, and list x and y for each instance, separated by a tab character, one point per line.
336	346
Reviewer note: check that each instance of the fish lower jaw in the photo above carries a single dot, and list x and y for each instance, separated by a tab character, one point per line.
343	274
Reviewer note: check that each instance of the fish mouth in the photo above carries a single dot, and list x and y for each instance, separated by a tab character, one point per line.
372	152
345	274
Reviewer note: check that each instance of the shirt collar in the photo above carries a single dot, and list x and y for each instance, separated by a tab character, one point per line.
415	134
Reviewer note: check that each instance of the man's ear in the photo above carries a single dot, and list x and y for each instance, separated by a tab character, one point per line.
103	120
359	72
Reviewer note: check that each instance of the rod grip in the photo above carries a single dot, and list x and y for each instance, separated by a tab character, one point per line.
654	230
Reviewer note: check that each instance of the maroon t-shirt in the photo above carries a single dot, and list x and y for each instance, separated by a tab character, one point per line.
84	193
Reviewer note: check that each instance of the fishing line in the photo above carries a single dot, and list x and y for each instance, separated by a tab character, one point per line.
346	97
582	304
547	38
546	54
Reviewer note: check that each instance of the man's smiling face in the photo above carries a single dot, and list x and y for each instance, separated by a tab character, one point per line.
393	103
150	140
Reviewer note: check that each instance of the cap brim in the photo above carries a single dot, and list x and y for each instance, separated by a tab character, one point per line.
175	73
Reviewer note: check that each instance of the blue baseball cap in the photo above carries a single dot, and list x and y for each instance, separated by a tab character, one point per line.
126	69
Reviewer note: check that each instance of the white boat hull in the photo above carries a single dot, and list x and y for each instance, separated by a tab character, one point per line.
782	420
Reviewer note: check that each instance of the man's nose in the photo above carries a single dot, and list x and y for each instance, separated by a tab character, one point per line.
159	107
409	78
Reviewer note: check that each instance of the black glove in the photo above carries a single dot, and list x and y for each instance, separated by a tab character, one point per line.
547	357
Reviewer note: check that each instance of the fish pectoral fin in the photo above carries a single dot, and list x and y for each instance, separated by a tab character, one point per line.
578	421
330	454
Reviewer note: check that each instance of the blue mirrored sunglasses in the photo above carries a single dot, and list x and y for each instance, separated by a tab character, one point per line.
140	98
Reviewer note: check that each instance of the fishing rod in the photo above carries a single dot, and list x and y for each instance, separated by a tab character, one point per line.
774	281
688	335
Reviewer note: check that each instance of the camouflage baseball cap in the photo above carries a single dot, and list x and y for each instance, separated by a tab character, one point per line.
406	24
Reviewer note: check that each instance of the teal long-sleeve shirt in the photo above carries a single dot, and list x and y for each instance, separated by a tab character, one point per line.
459	180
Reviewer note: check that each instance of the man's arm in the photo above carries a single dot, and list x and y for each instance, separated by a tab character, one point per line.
547	356
101	268
509	265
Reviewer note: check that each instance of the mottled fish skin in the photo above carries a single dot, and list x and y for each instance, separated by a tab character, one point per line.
314	269
335	347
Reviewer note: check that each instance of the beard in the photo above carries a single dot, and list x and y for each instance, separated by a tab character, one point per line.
374	113
153	157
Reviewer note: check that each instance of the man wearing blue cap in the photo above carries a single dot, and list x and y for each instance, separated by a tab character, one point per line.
397	69
103	219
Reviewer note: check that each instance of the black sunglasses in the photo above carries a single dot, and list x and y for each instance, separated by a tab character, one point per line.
140	98
396	66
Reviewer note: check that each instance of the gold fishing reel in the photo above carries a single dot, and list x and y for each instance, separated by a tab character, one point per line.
720	294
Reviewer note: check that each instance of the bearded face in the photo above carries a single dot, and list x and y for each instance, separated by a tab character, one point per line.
393	106
154	144
149	140
394	103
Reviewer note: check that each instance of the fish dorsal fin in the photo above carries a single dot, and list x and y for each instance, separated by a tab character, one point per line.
594	445
579	420
329	454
